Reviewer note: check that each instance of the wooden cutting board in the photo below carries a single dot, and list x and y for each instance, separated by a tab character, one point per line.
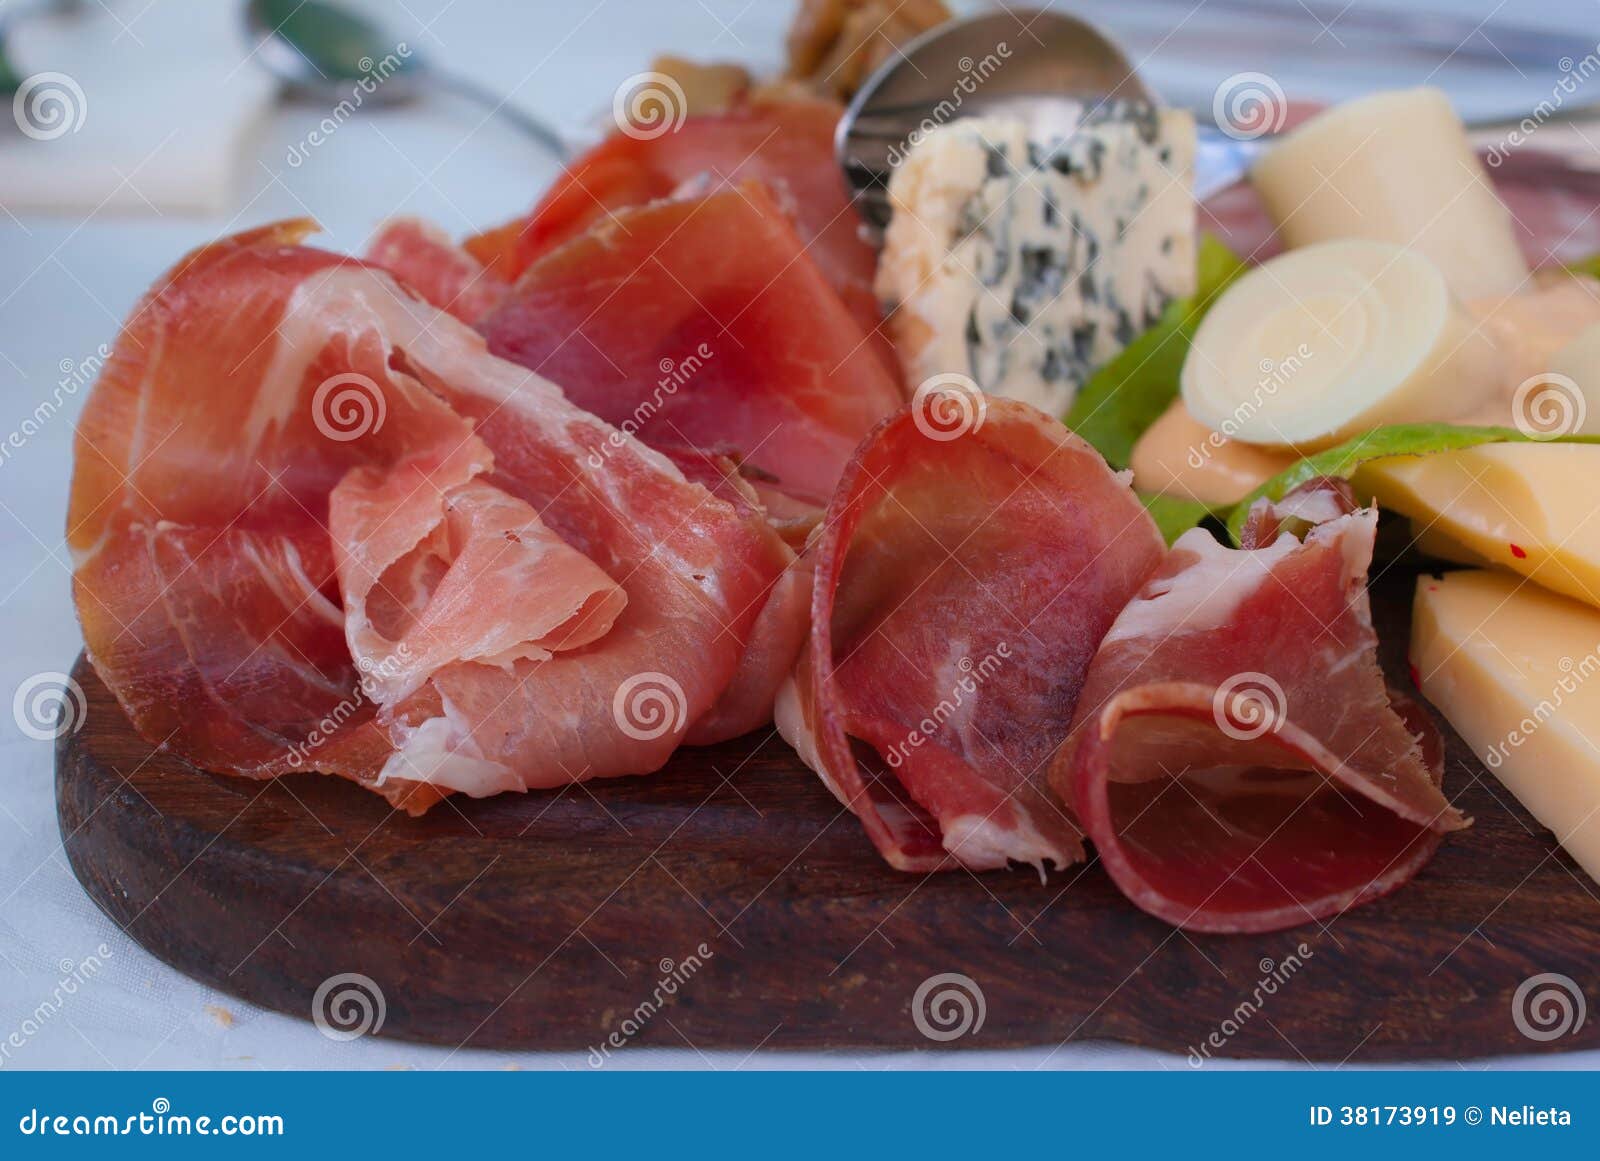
727	902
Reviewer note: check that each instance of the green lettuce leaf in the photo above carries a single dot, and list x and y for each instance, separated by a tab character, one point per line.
1130	392
1174	515
1401	439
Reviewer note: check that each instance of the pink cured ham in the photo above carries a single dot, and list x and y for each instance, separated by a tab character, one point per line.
316	526
423	257
1236	760
965	575
704	322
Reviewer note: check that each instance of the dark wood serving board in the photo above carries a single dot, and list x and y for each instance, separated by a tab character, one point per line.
547	920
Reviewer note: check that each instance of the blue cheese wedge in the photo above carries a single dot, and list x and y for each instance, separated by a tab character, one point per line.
1026	258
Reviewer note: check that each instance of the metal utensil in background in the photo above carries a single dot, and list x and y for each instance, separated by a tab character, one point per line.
1057	61
319	50
11	76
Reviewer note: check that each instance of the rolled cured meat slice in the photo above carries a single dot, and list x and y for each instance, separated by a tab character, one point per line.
316	526
1236	759
969	564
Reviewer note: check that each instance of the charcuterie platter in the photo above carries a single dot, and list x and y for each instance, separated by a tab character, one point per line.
683	615
545	921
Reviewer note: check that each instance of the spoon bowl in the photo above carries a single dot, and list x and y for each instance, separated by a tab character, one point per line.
320	50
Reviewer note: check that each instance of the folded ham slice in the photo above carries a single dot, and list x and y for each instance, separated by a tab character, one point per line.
786	146
703	321
317	526
1236	758
972	559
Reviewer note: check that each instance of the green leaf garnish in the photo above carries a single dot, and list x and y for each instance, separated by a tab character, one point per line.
1130	392
1174	515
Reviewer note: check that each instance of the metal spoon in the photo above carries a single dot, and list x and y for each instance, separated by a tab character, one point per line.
320	50
1036	65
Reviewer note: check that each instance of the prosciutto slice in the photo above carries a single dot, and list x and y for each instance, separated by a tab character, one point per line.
786	146
972	559
426	259
317	526
1236	758
704	322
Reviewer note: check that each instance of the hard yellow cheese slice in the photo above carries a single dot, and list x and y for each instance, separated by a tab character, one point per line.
1516	671
1531	507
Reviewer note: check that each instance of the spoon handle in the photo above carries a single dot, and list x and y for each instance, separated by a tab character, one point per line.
466	87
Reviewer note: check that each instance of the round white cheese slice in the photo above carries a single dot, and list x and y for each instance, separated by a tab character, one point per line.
1318	344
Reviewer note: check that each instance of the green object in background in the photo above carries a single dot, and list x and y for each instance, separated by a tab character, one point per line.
1174	515
337	43
1129	393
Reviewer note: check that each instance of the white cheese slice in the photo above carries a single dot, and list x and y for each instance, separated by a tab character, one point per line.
1516	671
1318	344
1394	167
1025	258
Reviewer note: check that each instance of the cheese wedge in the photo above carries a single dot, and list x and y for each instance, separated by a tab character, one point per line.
1516	671
1318	344
1530	507
1394	167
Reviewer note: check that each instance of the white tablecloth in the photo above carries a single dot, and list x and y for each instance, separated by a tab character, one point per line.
67	281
